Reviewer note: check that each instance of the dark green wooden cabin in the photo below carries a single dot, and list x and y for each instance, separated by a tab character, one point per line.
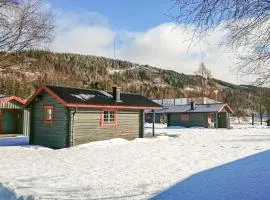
65	116
203	115
14	118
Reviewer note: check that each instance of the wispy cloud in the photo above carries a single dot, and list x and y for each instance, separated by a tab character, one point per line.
166	45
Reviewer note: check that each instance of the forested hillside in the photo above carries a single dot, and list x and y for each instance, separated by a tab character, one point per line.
21	72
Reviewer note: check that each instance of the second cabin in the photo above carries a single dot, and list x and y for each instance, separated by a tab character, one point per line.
65	116
203	115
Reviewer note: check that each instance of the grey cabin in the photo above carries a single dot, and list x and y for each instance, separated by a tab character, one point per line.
65	116
161	116
203	115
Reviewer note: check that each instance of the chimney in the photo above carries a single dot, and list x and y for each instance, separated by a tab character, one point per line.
192	105
116	94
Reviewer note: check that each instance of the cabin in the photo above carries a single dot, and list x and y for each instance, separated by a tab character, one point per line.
161	116
66	116
14	118
203	115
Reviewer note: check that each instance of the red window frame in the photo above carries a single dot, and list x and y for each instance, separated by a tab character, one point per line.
46	120
110	123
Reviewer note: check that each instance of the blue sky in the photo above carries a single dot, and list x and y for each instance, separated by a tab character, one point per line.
133	15
144	33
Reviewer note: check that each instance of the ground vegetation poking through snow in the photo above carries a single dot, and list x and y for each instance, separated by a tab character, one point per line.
138	169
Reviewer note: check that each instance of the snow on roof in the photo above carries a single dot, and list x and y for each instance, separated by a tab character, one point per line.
106	94
198	108
83	97
187	108
184	101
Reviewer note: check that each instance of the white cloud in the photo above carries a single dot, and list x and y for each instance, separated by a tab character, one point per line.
94	40
166	46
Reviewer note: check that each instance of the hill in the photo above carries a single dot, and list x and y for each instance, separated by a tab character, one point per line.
22	72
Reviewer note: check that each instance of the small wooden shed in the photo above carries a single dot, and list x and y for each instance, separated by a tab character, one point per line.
203	115
65	116
14	118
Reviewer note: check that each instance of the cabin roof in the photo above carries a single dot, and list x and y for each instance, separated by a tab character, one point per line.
184	101
199	108
80	97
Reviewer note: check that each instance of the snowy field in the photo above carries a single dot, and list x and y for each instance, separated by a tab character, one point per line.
186	164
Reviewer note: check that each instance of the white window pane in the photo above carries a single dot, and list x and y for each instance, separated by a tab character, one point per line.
49	114
109	116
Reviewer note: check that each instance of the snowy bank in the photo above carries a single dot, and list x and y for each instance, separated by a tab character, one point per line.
142	168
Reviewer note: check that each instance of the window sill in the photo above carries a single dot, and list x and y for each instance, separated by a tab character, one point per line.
109	124
48	122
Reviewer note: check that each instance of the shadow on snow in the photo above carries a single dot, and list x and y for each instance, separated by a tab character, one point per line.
247	178
14	141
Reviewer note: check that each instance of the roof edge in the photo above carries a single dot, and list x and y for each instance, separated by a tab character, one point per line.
111	106
226	105
7	99
39	90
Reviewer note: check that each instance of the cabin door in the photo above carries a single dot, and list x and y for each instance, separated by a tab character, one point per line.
222	120
9	122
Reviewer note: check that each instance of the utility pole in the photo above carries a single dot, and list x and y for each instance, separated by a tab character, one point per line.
153	122
261	106
114	49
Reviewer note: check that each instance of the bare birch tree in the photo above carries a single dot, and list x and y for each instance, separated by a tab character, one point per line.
247	24
205	76
24	24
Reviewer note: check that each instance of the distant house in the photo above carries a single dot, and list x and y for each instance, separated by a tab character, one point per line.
161	115
165	103
203	115
14	118
65	116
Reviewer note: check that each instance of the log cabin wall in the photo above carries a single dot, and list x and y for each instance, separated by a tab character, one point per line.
86	125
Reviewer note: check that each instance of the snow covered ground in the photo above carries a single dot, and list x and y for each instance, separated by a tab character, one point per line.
181	164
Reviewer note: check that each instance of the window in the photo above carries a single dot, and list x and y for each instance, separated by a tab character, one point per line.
184	117
108	117
48	114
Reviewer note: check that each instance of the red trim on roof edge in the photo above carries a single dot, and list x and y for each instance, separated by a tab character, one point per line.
7	99
60	100
39	90
226	105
